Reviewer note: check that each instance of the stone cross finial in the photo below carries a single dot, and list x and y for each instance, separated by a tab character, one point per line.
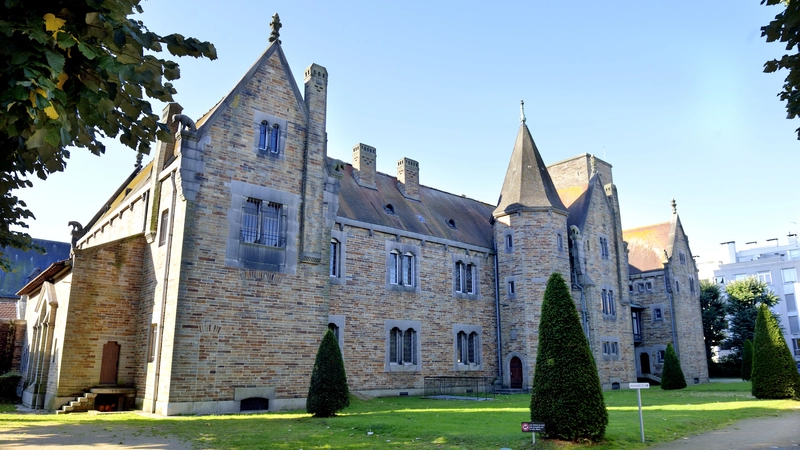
522	111
276	29
139	157
593	163
674	207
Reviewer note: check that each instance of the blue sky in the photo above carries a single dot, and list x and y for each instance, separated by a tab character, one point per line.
672	94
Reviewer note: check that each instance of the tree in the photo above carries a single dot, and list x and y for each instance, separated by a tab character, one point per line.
744	296
785	28
774	371
328	392
672	375
72	72
713	312
747	360
567	395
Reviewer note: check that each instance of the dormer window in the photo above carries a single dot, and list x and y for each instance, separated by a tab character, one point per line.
389	209
451	223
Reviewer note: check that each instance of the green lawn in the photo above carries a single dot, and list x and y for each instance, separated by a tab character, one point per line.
411	422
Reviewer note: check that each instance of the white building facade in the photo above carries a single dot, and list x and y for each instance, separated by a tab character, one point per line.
777	265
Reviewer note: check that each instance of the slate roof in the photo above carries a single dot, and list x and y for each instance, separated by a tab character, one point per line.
646	246
429	216
27	265
527	183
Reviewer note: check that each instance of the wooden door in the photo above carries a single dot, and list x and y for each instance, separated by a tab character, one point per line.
516	373
108	368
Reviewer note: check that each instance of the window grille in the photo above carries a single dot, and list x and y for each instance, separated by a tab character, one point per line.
261	223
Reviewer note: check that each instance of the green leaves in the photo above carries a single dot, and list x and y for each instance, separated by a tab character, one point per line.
786	28
71	72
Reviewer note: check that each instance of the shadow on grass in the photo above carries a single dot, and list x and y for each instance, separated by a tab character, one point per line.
406	422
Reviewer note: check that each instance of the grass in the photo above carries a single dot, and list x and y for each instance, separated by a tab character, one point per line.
412	422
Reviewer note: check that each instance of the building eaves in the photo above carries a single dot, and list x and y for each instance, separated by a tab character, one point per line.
46	275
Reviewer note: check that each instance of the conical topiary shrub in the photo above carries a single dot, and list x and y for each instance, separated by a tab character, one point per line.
328	392
567	396
747	360
774	372
672	375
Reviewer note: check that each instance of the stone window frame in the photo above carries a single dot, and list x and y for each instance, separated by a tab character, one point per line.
476	270
560	242
605	253
236	252
283	126
658	351
468	330
659	317
403	250
512	288
607	304
338	321
163	226
341	278
682	258
607	346
404	326
508	240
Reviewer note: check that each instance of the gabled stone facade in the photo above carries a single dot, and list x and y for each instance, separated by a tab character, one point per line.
207	282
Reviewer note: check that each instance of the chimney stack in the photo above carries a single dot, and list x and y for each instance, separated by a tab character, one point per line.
364	162
408	176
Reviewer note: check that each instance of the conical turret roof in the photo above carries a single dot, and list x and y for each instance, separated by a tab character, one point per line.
527	185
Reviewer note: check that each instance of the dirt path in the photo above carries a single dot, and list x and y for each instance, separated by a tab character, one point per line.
774	433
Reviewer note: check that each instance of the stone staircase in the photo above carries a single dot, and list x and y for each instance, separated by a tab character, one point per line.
81	404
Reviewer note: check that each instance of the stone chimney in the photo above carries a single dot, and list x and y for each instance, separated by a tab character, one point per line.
408	178
364	162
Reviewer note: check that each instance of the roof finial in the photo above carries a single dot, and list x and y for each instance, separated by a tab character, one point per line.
674	207
593	163
522	111
276	29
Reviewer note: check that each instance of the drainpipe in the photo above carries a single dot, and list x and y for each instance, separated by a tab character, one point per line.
668	287
497	313
164	292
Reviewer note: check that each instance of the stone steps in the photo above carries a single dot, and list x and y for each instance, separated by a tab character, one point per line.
81	404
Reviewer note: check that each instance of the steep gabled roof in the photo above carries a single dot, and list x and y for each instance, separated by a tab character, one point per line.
527	184
208	119
647	246
429	216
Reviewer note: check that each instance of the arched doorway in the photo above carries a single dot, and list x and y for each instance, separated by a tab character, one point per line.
516	373
110	363
644	362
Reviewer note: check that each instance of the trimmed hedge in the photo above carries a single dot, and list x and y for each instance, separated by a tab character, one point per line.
328	392
747	360
672	375
567	396
774	372
8	385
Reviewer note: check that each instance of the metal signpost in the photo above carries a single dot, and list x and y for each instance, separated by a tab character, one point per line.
532	427
639	387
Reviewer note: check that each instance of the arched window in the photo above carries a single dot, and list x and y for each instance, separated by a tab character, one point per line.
467	348
394	267
335	328
509	241
403	346
263	132
560	243
459	276
274	138
408	270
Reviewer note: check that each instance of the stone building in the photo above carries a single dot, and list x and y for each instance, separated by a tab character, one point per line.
665	299
207	282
